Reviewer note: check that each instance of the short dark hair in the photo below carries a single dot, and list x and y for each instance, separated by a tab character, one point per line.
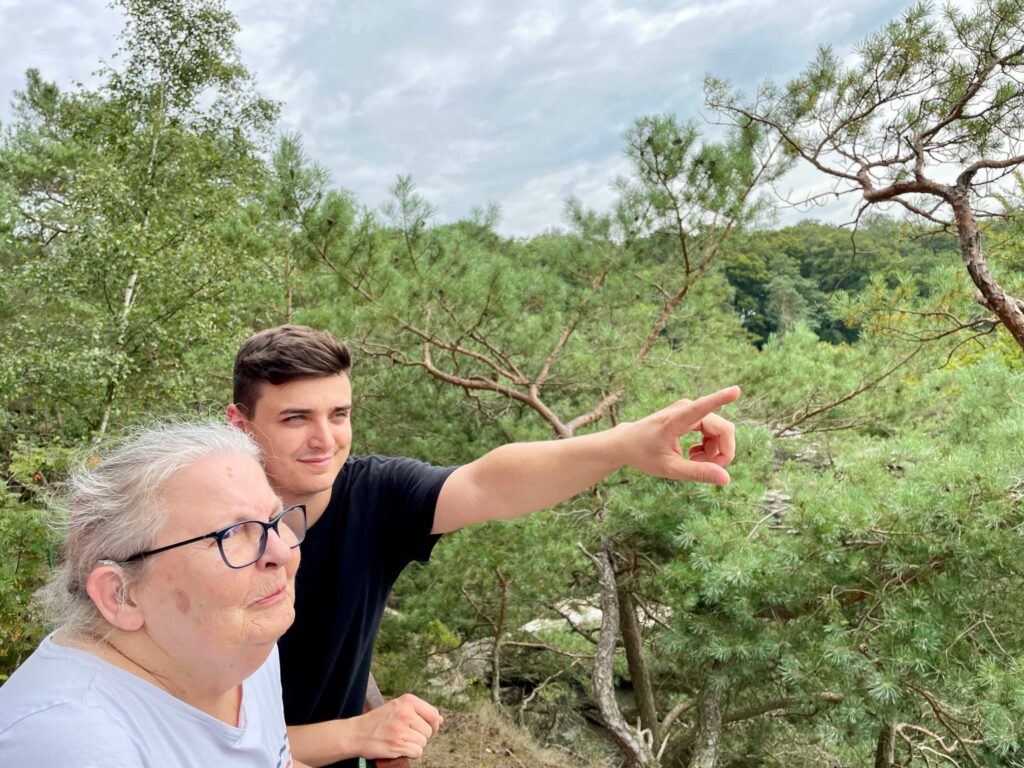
282	354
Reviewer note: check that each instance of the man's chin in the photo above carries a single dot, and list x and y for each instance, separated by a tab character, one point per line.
312	489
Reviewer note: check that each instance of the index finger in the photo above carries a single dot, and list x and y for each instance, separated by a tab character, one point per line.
694	412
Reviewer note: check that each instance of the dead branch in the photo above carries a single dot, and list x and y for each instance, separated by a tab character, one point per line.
636	749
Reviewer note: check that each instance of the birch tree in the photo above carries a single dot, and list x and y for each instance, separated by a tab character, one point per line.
123	196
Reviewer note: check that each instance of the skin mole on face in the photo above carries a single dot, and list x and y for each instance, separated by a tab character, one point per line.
182	602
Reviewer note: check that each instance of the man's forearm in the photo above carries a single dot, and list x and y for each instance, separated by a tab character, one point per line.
520	478
324	743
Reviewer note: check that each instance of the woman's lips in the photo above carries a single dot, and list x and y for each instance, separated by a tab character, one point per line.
273	597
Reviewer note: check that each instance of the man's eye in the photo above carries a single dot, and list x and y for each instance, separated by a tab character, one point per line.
295	418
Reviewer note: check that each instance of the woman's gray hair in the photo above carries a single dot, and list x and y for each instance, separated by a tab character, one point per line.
111	510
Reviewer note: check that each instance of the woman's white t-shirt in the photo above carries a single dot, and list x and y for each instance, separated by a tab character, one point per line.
66	707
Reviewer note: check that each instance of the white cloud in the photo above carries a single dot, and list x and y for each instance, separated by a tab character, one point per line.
537	24
644	27
517	103
464	153
65	48
529	209
431	76
468	14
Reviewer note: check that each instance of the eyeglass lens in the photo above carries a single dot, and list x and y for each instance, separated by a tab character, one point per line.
245	543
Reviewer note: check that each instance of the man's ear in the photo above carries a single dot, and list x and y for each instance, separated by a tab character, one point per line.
236	417
109	591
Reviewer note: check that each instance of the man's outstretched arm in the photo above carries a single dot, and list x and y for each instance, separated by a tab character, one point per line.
520	478
399	728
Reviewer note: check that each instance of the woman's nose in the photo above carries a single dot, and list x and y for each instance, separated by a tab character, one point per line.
277	552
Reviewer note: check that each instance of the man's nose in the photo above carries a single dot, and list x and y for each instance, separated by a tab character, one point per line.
322	436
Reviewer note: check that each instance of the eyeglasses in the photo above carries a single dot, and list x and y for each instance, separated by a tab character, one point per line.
242	544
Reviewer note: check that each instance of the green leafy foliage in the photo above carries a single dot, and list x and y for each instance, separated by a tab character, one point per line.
855	583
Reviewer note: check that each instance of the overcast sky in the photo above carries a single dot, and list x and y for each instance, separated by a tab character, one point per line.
518	103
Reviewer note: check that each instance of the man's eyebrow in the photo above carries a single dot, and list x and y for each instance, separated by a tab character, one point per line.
303	411
293	411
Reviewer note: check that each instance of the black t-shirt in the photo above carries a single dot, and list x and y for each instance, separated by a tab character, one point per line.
377	521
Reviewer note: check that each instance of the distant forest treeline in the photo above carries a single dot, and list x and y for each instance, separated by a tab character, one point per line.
852	598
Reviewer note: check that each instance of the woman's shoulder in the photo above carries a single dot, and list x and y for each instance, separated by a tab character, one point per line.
51	729
65	707
52	676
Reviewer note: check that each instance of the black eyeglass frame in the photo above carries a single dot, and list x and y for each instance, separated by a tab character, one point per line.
220	534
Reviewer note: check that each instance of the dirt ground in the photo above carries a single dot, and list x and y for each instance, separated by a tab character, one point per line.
481	739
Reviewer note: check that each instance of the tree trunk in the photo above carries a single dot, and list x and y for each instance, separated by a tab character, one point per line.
115	376
633	643
499	632
709	729
496	672
1009	310
131	288
885	749
289	311
636	751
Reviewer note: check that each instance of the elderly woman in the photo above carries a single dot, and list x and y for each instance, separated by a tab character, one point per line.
178	580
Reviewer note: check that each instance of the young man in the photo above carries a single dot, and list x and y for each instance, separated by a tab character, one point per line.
369	517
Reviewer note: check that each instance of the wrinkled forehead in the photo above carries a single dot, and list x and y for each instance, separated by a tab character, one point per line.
216	491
